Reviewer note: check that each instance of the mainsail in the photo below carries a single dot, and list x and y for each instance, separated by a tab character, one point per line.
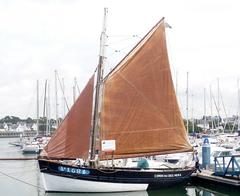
71	140
139	109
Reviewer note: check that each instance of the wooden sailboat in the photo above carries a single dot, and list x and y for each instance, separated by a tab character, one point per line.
134	114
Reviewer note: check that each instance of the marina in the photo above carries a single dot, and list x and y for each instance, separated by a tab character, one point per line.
22	170
132	124
25	178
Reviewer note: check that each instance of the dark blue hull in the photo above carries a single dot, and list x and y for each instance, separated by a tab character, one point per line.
154	178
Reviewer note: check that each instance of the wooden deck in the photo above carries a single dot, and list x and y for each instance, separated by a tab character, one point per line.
209	177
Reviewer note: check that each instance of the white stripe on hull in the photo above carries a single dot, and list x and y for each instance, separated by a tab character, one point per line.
63	184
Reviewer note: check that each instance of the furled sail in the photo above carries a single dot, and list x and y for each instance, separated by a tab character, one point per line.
139	108
71	140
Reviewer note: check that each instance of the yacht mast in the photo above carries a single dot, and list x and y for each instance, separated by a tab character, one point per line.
218	106
238	128
210	92
187	102
193	129
204	126
56	98
95	127
63	99
45	108
37	108
48	111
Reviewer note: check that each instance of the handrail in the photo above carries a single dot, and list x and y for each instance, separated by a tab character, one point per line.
223	168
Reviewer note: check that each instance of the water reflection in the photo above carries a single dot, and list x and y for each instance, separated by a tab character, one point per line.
200	191
169	191
173	191
190	190
138	193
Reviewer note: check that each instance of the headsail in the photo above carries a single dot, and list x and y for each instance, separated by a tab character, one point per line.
139	109
71	139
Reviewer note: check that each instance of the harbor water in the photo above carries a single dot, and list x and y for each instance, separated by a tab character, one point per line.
21	178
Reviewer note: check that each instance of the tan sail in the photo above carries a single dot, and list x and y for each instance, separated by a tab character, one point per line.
139	109
71	139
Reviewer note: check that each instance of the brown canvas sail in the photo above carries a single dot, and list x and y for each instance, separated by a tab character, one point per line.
71	139
139	108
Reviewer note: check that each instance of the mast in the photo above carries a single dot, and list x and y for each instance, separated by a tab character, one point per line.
56	98
48	111
187	102
238	118
61	83
63	99
218	91
204	126
210	89
37	107
95	127
45	107
193	129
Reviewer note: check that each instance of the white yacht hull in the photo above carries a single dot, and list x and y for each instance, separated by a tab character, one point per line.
54	183
31	148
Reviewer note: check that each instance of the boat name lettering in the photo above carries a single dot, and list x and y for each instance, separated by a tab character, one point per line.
167	175
73	170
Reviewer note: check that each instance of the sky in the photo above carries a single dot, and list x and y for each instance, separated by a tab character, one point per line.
38	37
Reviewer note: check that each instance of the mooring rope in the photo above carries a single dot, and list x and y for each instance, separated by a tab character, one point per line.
22	181
21	172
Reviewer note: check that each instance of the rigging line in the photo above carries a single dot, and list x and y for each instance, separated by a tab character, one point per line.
119	35
78	87
30	106
215	104
41	100
128	35
224	109
22	181
20	172
16	167
62	91
115	50
123	40
233	127
120	50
